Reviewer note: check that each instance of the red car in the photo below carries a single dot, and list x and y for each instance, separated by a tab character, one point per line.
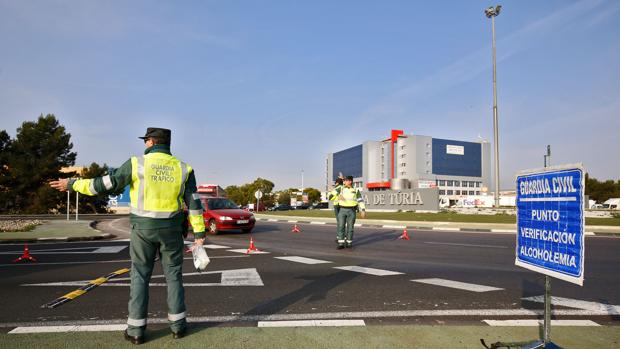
223	214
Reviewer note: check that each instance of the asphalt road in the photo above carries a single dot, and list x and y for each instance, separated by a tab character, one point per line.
238	289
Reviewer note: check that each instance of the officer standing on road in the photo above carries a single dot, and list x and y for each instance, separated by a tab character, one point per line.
349	200
159	185
333	196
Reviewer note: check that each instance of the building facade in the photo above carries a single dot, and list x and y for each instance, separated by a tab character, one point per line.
455	168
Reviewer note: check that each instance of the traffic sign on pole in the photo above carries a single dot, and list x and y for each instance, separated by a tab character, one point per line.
258	194
550	222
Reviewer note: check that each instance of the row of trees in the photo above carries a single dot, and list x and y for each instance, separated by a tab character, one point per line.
244	194
601	191
27	163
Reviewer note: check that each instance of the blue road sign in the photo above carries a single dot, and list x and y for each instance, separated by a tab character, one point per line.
119	200
550	222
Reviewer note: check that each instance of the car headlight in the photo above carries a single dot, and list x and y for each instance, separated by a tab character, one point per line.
225	218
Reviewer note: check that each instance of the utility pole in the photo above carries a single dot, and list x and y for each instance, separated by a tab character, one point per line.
492	12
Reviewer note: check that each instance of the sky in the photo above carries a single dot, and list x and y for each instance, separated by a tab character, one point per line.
268	88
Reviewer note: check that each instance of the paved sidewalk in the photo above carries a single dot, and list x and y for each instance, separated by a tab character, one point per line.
56	230
424	225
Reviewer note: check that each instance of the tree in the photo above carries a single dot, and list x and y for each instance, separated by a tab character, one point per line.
314	195
284	197
601	191
5	142
244	194
37	154
97	203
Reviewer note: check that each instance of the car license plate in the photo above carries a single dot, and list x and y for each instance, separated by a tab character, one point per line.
243	221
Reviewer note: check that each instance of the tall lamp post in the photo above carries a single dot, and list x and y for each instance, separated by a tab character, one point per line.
493	12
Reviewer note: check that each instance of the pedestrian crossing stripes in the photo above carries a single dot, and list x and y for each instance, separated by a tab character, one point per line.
303	260
245	251
215	247
76	328
458	285
370	271
578	304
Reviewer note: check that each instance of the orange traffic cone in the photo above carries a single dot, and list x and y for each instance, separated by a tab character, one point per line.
25	256
404	235
252	248
296	229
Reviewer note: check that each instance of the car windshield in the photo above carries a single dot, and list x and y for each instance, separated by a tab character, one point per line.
221	204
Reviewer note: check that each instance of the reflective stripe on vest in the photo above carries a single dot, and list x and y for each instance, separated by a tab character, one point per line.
158	185
350	197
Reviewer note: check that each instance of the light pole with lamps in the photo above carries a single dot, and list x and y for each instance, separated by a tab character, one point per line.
493	12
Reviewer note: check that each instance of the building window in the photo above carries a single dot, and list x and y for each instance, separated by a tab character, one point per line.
428	163
403	173
450	183
428	145
477	193
442	192
477	184
457	192
471	192
402	147
457	183
402	164
442	183
449	192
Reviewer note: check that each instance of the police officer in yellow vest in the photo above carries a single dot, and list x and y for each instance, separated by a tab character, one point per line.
159	186
349	200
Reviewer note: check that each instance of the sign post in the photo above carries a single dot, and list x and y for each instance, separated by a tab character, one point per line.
550	228
258	194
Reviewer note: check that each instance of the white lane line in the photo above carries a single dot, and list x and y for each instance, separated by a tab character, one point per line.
536	323
121	240
312	323
78	328
303	260
358	225
319	223
272	220
610	309
110	249
485	313
371	271
503	231
244	250
447	228
458	285
292	221
215	247
463	245
395	226
98	262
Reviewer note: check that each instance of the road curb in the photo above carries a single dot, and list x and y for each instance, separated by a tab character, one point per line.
412	227
60	239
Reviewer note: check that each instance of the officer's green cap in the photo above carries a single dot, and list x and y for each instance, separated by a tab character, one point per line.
162	133
349	178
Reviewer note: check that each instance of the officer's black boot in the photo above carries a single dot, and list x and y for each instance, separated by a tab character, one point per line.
340	246
133	339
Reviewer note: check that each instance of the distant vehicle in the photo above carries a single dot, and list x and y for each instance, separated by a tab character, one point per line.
302	207
612	204
282	207
320	205
222	214
597	206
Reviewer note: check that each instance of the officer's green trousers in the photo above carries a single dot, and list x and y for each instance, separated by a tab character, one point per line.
144	244
346	222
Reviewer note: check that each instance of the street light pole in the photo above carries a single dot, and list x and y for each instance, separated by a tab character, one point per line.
492	13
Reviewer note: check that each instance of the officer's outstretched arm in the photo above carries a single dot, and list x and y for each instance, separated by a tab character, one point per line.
113	182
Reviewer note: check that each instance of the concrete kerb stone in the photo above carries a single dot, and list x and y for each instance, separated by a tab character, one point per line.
436	226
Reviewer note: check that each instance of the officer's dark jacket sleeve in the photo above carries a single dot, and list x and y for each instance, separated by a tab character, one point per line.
192	200
113	182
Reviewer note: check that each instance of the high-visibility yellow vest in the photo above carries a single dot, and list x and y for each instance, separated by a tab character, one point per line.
352	198
157	185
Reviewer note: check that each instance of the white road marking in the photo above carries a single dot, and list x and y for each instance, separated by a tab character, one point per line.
235	277
608	309
458	285
244	250
395	226
303	260
272	220
447	228
292	221
371	271
97	262
336	316
73	250
536	323
358	225
311	323
319	223
215	247
121	240
463	245
503	231
78	328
